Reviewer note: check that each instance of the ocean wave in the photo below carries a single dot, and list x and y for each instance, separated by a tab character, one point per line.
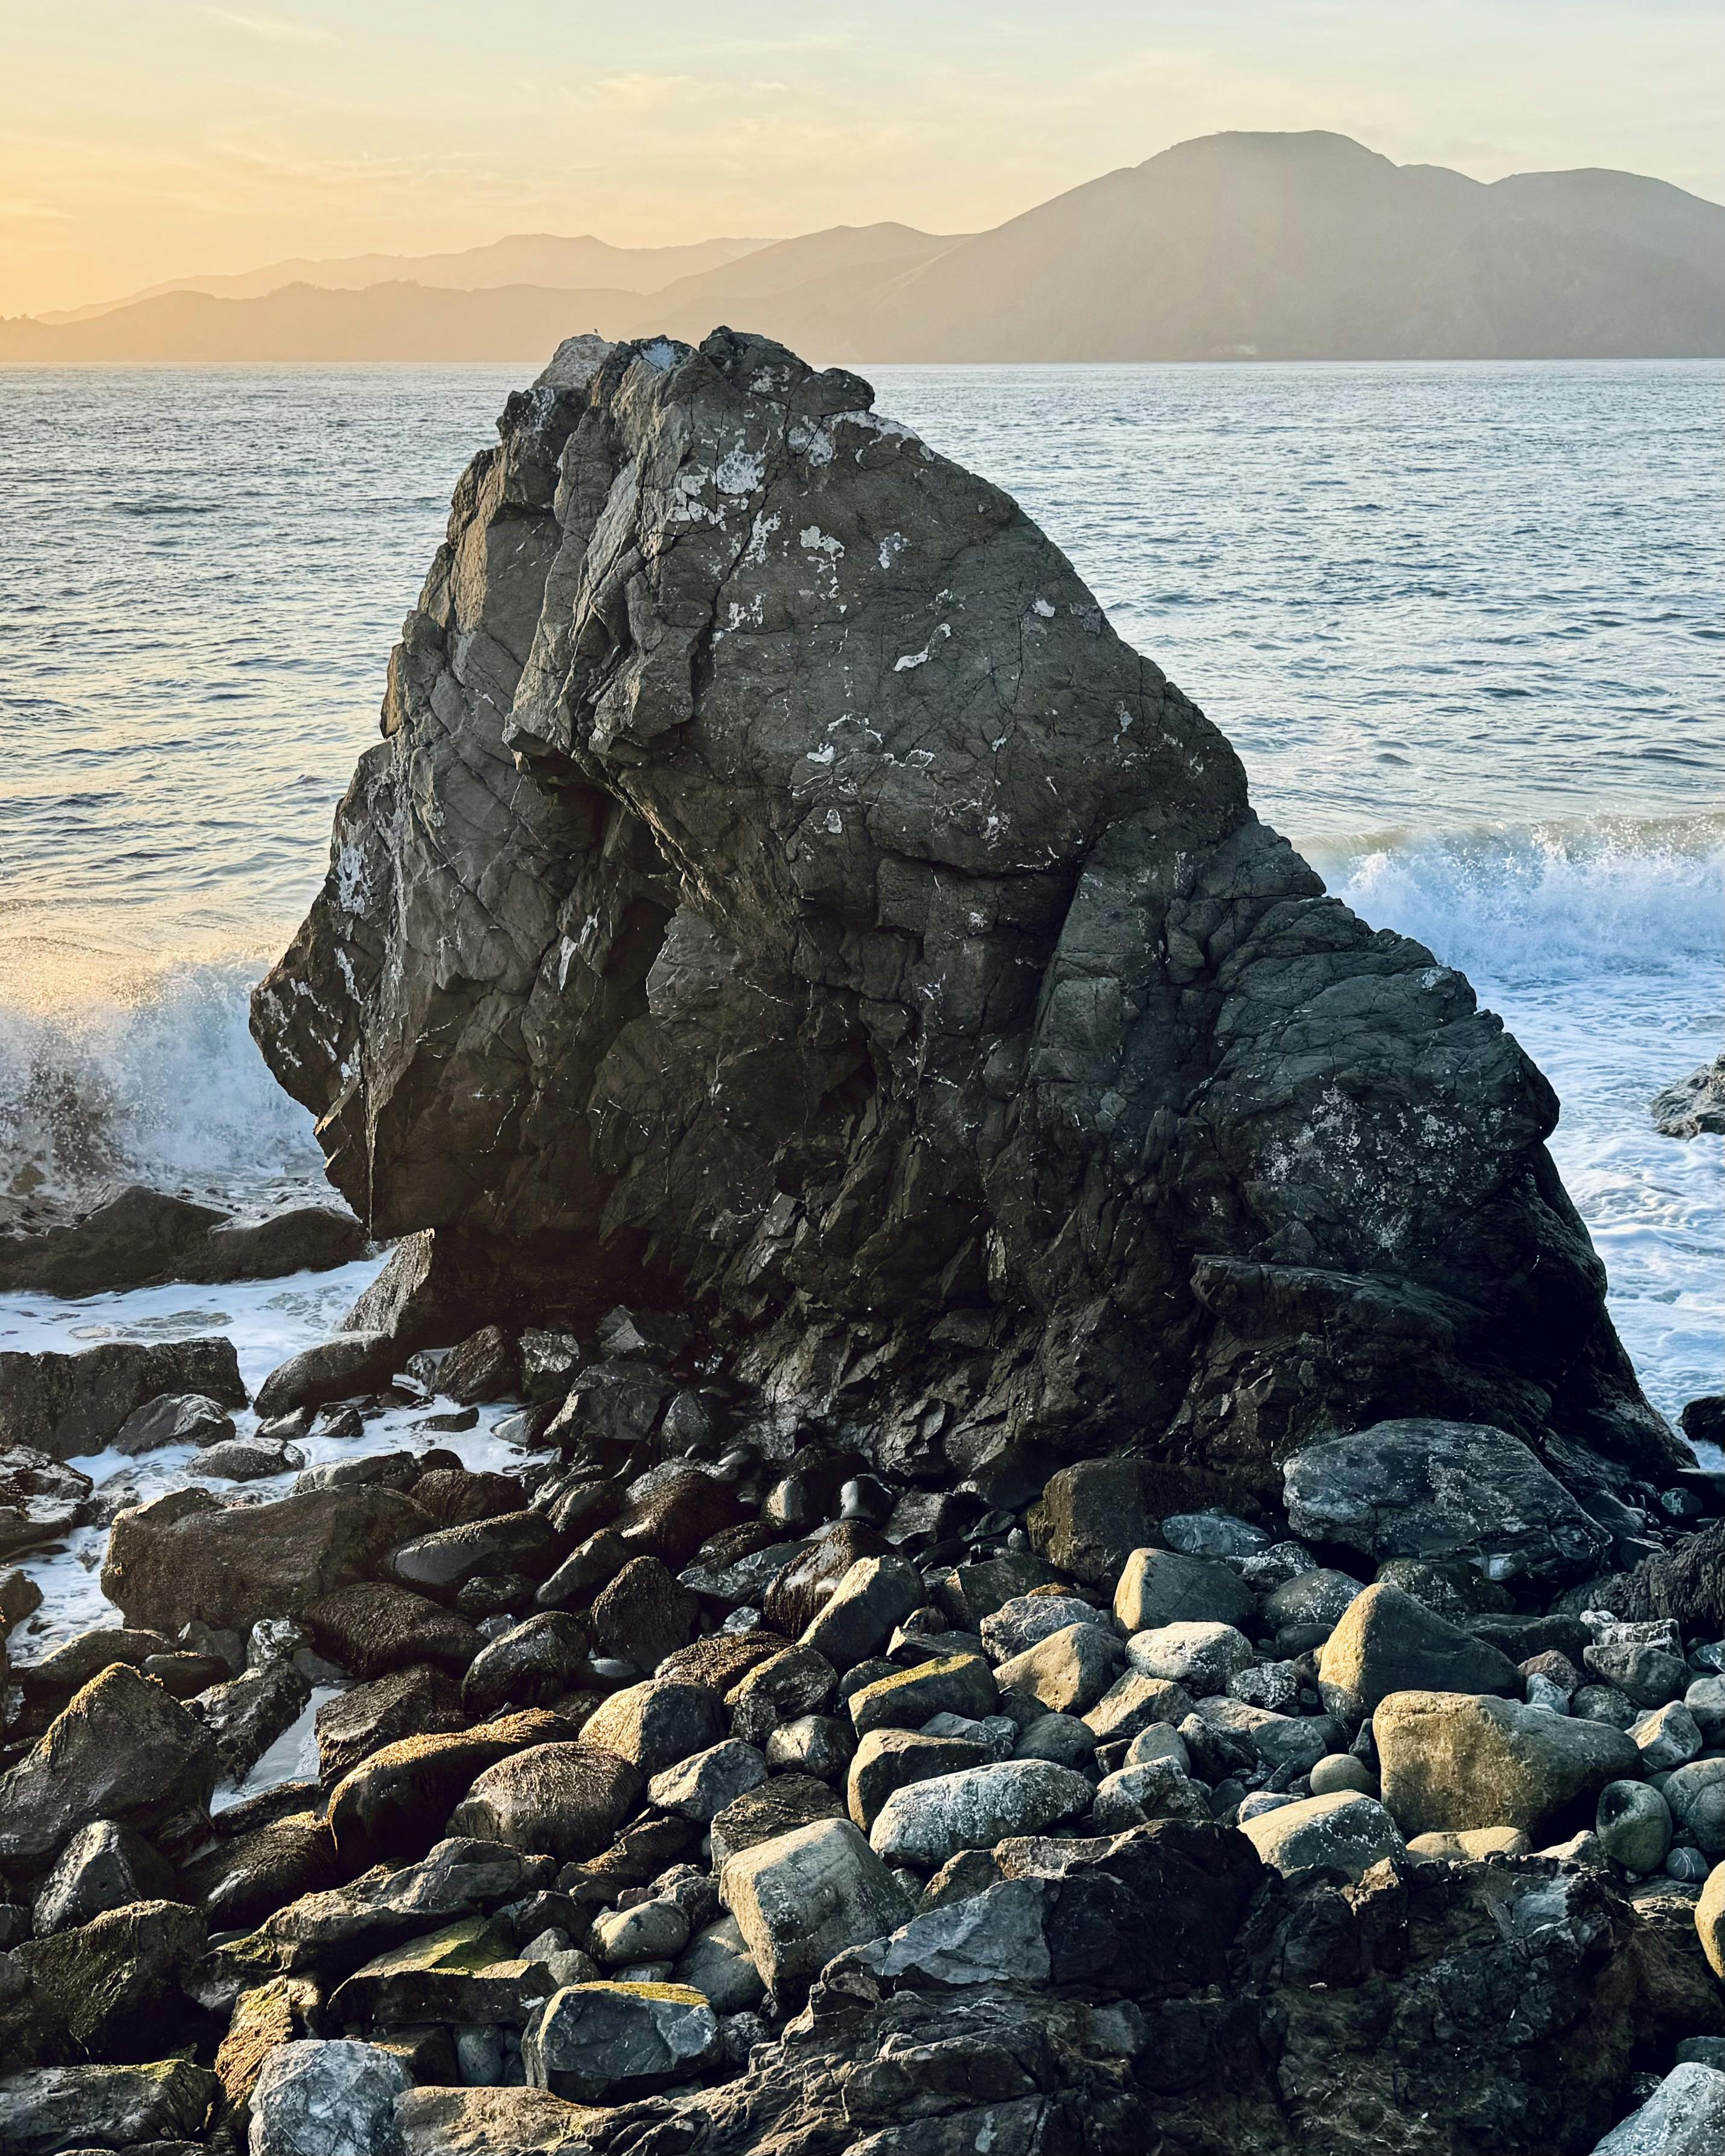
1550	901
158	1082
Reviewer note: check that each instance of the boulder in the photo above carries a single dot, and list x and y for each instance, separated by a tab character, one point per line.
485	1366
719	1965
1016	1626
1420	1487
77	1661
1150	1790
656	1724
924	1823
1386	1641
706	1782
1133	1702
122	1750
890	1759
1343	1832
778	1806
865	1607
533	1664
1684	1110
819	1744
643	1615
339	1368
489	2121
442	1563
1069	1671
40	1500
1200	1656
109	1988
1318	1598
394	1805
1685	2116
312	1239
246	1876
464	1974
418	1700
1634	1826
1710	1920
1448	1761
375	1627
1162	1587
949	1684
993	1936
1667	1737
1697	1796
1294	1742
649	1096
64	1405
621	2039
63	2108
174	1419
802	1898
796	1681
1471	1846
326	2098
245	1716
186	1556
135	1237
644	1932
1648	1674
103	1866
1089	1519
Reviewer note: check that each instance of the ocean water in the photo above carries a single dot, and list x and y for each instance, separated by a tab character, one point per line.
1462	623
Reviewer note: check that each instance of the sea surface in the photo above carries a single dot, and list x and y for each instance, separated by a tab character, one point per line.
1461	621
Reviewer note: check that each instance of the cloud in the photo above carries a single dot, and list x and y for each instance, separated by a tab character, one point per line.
278	29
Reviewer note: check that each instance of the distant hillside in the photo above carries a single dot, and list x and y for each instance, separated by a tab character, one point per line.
1230	247
525	258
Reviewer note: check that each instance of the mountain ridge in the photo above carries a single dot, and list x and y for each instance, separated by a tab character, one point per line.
1230	246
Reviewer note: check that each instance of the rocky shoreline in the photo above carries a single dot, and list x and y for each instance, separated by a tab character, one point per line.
1080	1568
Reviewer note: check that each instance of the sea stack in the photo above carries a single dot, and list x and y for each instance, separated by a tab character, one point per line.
780	898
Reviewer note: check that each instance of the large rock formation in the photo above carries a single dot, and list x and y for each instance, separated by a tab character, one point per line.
780	892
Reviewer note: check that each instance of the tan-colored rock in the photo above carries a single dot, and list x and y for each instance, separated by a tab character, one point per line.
1452	1761
1473	1846
1710	1920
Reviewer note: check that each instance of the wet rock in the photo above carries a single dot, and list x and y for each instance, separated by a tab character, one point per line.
375	1627
187	1557
865	1607
339	1368
418	1700
1691	1105
1200	1656
103	1866
245	1716
674	1510
135	1236
109	1988
245	1877
778	1806
394	1805
970	1593
325	2098
1387	1642
797	1596
798	1681
949	1684
722	1660
58	2107
705	1783
1160	1586
926	1822
1069	1671
1425	1488
587	1567
174	1419
619	2040
452	1497
1343	1832
443	1562
485	1366
122	1750
1634	1826
1091	1519
313	1238
888	1760
466	1974
549	1362
240	1460
79	1660
643	1615
1685	2116
1448	1761
533	1664
65	1405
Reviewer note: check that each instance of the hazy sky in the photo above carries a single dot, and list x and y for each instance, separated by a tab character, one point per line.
141	140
